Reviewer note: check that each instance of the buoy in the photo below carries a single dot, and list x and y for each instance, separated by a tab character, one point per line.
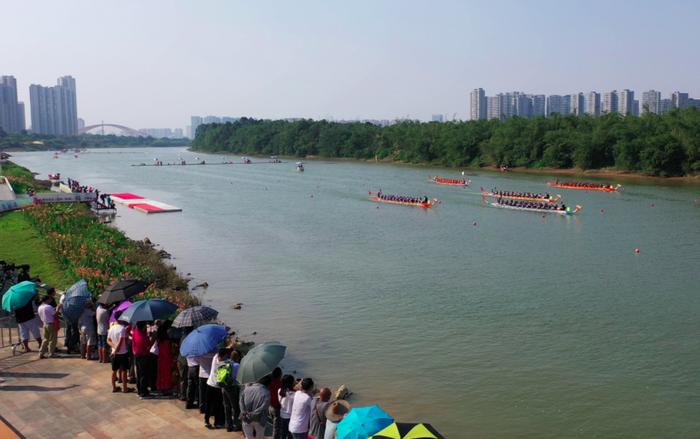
369	192
636	250
652	204
312	195
377	207
475	223
602	210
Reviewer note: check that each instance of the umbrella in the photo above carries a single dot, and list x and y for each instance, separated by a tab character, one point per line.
195	316
203	340
260	361
363	422
18	295
122	290
148	310
74	300
121	307
404	430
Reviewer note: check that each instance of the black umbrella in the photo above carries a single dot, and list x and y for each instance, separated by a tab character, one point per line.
122	290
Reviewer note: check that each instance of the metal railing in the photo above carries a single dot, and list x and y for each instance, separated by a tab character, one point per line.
9	332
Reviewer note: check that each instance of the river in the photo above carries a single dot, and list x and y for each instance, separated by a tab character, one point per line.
485	322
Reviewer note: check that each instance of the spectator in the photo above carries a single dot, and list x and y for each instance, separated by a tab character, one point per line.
29	324
301	410
192	382
286	398
335	413
47	314
255	404
102	315
118	340
166	359
317	426
204	362
231	393
275	386
215	405
88	333
141	346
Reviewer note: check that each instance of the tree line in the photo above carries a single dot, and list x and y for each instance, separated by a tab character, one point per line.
663	145
26	141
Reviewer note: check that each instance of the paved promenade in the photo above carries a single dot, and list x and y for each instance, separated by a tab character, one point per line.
71	398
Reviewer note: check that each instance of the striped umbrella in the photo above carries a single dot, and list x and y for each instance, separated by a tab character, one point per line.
195	316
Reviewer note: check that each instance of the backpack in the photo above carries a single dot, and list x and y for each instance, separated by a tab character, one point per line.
224	375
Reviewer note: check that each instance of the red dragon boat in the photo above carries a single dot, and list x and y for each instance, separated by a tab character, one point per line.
584	186
450	181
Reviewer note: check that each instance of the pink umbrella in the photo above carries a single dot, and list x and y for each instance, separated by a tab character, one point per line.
121	307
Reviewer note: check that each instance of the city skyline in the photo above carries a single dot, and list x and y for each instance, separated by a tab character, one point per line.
365	60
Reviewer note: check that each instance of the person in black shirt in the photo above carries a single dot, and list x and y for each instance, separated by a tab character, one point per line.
28	324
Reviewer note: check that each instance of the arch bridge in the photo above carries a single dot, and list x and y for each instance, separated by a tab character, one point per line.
125	130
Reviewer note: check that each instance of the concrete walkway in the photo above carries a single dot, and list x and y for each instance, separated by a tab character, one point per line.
71	398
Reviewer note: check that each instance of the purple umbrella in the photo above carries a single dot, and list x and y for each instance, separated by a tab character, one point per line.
121	307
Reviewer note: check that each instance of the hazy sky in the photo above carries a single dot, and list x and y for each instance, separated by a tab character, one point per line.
153	63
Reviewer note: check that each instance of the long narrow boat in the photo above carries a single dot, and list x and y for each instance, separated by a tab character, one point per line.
450	181
584	186
523	197
566	212
427	205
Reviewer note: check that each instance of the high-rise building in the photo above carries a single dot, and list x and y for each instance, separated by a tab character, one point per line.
665	106
694	103
557	104
679	100
651	102
635	107
493	107
81	124
593	103
479	104
177	133
54	109
212	119
10	119
195	121
626	102
577	104
610	102
438	118
21	116
537	102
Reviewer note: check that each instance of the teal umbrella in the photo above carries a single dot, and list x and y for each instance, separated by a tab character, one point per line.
363	422
18	295
260	361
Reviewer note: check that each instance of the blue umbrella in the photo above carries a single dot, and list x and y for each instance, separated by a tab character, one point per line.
74	300
148	310
363	422
18	295
203	340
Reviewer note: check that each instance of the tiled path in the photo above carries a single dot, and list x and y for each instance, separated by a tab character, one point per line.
71	398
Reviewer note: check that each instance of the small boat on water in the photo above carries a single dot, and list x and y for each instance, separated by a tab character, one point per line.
275	159
55	177
523	196
584	186
300	167
537	207
423	202
450	181
246	161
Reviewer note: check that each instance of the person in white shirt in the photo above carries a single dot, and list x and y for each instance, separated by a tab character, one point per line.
46	315
215	403
204	362
118	340
286	399
102	315
301	410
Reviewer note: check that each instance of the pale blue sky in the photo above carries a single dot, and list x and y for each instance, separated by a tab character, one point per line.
153	63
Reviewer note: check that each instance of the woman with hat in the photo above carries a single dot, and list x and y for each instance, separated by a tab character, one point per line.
335	413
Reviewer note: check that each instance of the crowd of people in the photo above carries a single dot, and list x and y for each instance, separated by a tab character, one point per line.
530	204
402	199
147	354
606	186
75	186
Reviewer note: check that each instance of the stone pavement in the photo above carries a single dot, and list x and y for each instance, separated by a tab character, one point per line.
71	398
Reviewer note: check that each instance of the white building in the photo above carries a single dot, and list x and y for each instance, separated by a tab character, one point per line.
651	102
478	109
593	103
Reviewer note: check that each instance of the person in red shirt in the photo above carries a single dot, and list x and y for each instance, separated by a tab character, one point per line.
141	343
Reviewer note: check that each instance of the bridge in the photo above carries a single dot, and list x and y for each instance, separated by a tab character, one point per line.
125	130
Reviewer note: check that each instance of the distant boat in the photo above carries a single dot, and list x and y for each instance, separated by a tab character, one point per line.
246	161
300	167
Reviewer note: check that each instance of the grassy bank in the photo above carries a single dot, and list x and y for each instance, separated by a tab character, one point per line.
22	178
22	244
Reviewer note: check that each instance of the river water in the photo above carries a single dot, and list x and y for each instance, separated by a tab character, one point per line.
486	322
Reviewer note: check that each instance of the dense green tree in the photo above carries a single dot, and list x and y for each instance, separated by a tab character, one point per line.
658	145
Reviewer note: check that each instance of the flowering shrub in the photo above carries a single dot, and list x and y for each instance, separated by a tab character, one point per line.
102	255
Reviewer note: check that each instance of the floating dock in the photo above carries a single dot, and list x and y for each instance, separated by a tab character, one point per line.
142	204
